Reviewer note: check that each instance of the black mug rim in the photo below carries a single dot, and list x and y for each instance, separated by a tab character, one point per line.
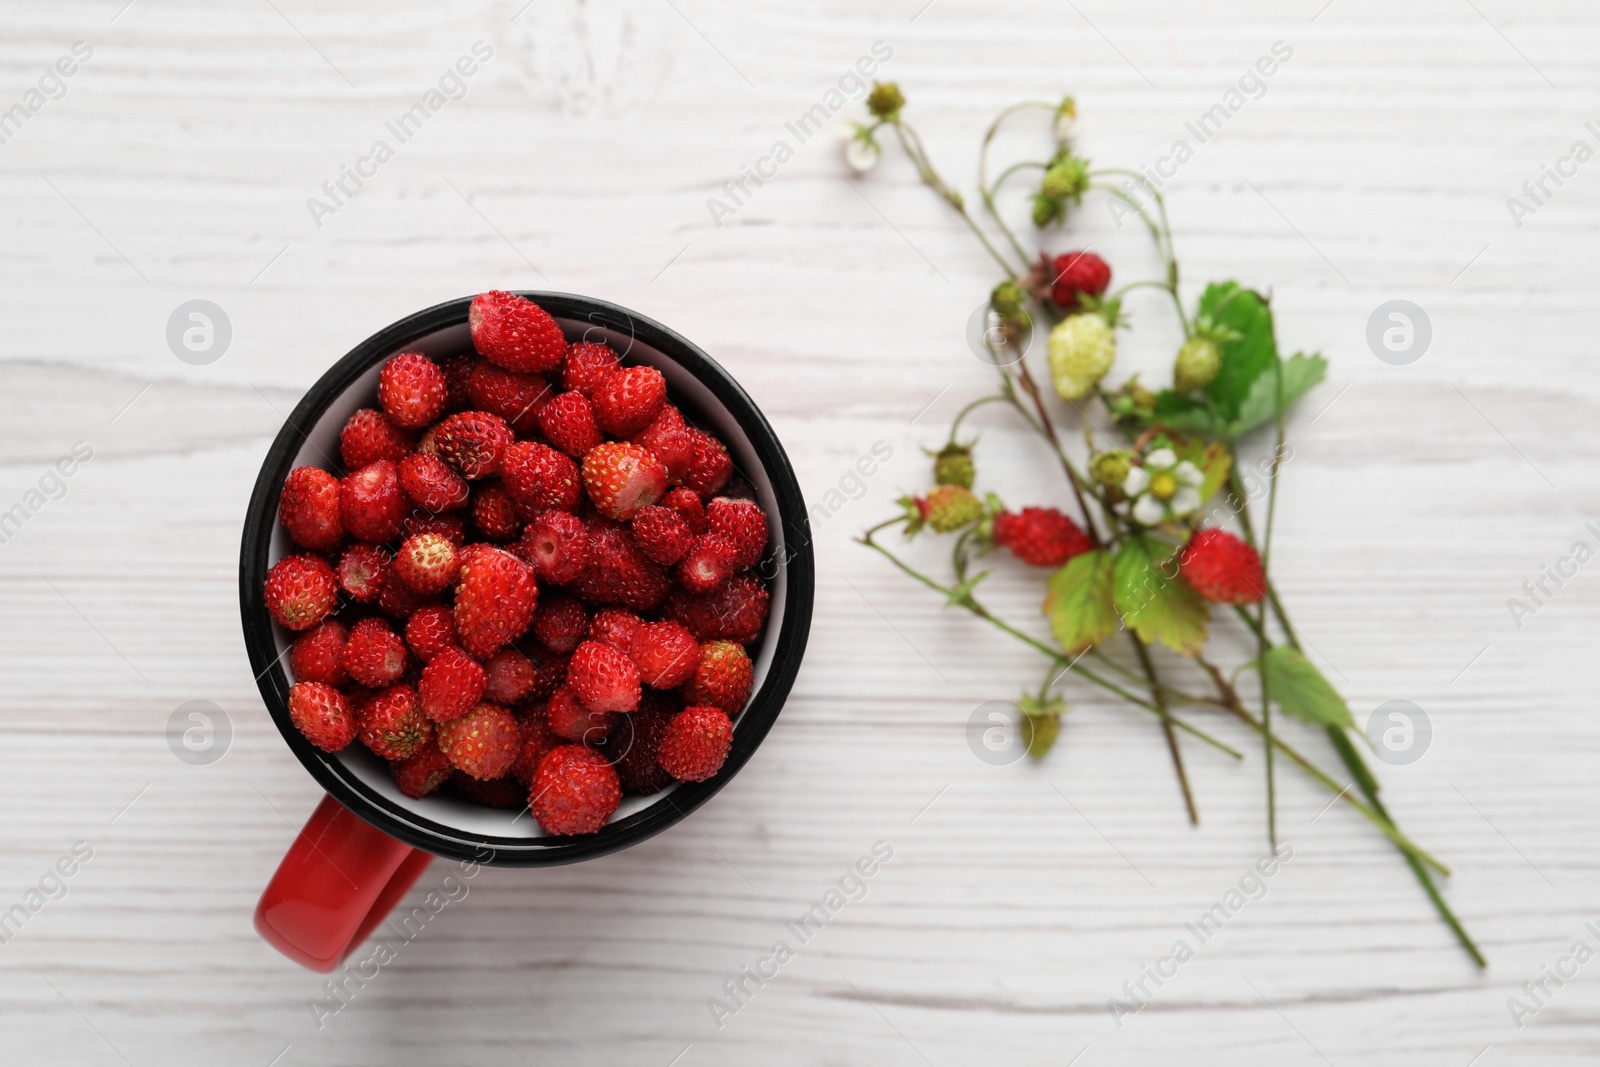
790	632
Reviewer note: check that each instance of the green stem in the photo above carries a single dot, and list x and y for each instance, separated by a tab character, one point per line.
985	188
1261	618
1160	702
912	143
964	412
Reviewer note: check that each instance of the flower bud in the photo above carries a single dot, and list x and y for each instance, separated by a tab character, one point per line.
885	100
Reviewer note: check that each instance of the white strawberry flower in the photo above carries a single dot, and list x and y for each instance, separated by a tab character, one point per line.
861	152
1164	489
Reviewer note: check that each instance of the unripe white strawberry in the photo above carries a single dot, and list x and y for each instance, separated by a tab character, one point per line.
1197	363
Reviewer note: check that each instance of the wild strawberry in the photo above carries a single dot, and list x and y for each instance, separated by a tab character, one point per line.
1196	365
362	571
667	438
374	655
723	678
430	631
517	398
392	724
369	436
473	442
1041	536
511	676
710	467
695	744
495	601
309	509
621	478
661	534
666	654
427	563
618	573
744	524
690	508
421	773
629	400
539	477
483	742
710	561
615	627
450	527
451	685
571	719
560	623
1076	275
398	599
587	364
535	741
549	672
556	543
515	333
603	676
318	654
735	612
322	714
568	423
412	390
372	503
635	743
1082	348
574	791
458	371
494	514
431	483
504	792
1222	568
300	592
946	509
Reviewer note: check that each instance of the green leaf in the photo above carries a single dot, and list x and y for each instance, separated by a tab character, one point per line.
1243	357
1079	602
1296	686
1155	600
1183	414
1300	374
1213	459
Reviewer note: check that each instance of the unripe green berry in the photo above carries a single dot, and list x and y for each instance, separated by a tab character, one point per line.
953	466
885	100
1198	362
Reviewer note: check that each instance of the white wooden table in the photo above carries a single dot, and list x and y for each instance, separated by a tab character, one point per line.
177	166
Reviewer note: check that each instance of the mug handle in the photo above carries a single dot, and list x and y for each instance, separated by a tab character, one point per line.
339	880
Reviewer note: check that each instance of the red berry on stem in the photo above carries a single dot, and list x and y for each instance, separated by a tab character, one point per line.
1043	537
1222	568
1076	275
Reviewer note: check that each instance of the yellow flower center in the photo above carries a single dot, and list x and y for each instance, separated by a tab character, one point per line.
1164	485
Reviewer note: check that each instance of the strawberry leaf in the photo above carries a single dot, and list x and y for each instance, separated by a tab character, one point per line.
1243	357
1300	374
1183	414
1159	607
1079	602
1297	687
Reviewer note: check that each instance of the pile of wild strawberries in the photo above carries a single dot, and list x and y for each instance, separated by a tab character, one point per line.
535	596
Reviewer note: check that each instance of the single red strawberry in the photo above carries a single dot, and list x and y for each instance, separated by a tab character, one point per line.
556	543
615	627
710	467
549	672
504	792
473	442
309	509
1043	537
735	612
318	654
374	655
723	678
690	508
483	742
560	623
661	533
618	573
362	571
571	719
450	527
539	477
392	723
574	791
412	390
458	371
515	333
452	684
495	600
430	630
398	599
431	483
621	478
494	514
629	400
372	503
667	437
695	744
603	676
428	563
322	714
369	436
666	654
1222	568
1076	275
568	423
517	398
587	364
710	561
422	773
744	524
512	677
635	743
537	739
300	591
